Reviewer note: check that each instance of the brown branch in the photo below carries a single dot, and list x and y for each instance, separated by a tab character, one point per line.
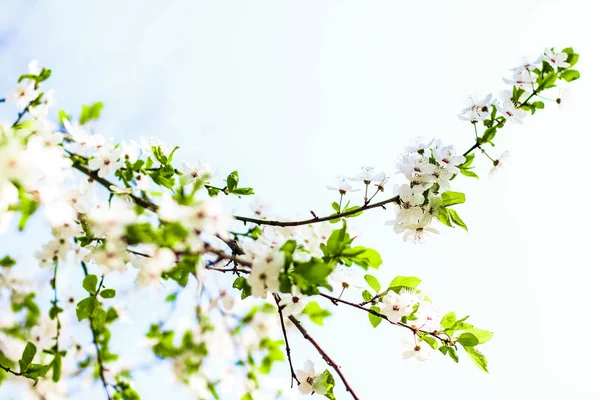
394	199
326	357
148	205
414	329
287	344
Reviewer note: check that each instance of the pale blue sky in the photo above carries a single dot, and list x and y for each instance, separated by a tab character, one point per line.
294	93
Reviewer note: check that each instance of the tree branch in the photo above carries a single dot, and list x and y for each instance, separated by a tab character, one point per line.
326	357
394	199
414	329
96	344
287	345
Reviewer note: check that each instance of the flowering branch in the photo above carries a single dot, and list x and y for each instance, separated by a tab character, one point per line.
285	337
325	356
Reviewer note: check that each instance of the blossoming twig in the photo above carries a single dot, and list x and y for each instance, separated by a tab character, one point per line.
287	344
326	357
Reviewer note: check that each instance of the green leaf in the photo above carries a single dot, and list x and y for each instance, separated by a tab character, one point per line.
366	295
450	198
488	135
108	293
7	261
312	273
468	340
316	313
570	75
85	308
362	256
547	82
449	320
27	356
374	319
373	282
430	341
456	219
452	354
56	368
242	284
469	173
481	334
443	216
90	112
62	115
325	384
233	180
404	281
477	358
90	283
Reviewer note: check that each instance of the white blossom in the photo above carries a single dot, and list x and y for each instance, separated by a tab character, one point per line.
557	60
511	112
308	379
24	94
265	274
200	170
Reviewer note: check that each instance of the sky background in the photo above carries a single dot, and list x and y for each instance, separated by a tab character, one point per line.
293	94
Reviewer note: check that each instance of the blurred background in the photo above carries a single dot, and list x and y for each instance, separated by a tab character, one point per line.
292	94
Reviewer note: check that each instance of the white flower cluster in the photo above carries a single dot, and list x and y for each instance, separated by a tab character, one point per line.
428	168
478	110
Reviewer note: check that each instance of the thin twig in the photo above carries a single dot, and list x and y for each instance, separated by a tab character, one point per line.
414	329
325	356
287	344
95	340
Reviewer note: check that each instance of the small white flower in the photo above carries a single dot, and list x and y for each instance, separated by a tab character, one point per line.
265	274
476	110
447	157
398	305
308	379
341	185
415	232
417	165
557	60
527	65
200	170
367	176
499	163
105	162
521	79
34	67
347	277
417	351
152	268
294	303
210	217
511	112
24	94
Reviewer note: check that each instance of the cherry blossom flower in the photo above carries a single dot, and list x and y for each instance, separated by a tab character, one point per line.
200	170
341	185
106	162
476	110
152	268
500	162
415	232
367	176
24	94
417	351
557	60
447	157
398	305
308	379
265	274
511	112
294	303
